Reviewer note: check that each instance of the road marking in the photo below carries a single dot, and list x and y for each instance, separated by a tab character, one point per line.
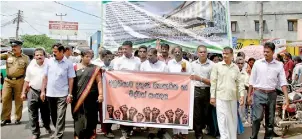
23	111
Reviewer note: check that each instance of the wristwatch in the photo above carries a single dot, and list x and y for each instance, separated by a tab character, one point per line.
69	95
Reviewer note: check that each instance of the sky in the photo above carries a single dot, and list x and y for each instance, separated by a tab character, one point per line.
37	15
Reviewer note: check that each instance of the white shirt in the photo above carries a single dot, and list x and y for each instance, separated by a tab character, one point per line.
174	66
98	62
34	74
124	63
202	70
158	66
297	71
267	76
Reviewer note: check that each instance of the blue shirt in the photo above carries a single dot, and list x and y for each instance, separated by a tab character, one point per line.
58	74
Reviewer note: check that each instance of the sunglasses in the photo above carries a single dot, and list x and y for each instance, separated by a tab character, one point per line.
240	63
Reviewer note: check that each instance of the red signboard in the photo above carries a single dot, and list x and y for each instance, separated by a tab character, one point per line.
68	28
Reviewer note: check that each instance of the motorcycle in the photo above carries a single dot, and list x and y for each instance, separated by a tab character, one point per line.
287	117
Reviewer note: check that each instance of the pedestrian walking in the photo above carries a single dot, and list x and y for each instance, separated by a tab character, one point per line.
152	64
107	65
288	66
201	71
179	65
225	82
127	62
33	78
266	75
297	72
87	93
16	63
57	87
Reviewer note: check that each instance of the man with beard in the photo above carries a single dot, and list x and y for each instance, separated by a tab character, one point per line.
33	78
142	53
267	74
16	63
57	86
201	70
127	62
225	83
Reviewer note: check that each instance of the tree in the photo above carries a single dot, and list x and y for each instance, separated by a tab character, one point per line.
34	41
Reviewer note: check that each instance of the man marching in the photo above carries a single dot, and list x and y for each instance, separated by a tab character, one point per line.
266	74
16	63
33	78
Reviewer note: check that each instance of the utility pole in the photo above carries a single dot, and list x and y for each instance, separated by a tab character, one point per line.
261	22
18	20
61	16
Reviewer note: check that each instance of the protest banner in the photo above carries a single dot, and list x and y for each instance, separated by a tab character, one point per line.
184	23
148	99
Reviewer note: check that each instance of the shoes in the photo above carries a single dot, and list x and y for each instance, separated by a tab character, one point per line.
35	137
48	131
17	122
4	122
41	125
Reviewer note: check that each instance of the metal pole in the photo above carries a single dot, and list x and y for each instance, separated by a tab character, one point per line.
18	21
61	18
261	23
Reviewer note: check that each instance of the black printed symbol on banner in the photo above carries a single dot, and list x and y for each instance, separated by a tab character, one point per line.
155	113
124	110
110	110
170	114
178	114
132	113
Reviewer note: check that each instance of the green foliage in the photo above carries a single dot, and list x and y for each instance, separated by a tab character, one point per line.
34	41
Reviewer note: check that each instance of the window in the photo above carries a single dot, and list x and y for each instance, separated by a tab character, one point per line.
257	25
292	25
233	25
203	3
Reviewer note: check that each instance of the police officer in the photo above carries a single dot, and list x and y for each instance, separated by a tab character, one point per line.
16	63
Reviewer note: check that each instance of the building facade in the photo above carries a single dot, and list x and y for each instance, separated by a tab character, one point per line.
280	20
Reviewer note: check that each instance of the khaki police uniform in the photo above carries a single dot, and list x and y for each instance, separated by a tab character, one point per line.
13	83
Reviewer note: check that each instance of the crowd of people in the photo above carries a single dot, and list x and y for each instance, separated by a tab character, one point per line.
227	91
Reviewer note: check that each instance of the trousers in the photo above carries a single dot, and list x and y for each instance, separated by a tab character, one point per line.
34	104
58	107
201	109
263	100
10	87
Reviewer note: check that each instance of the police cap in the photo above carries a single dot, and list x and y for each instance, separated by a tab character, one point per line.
16	42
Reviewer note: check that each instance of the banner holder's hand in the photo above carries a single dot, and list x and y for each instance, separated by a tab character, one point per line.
213	101
241	101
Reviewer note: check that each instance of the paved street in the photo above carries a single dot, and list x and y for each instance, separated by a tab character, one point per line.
22	131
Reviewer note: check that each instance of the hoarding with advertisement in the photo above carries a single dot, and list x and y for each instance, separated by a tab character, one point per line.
68	28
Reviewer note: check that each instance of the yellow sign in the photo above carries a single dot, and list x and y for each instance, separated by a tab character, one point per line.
241	43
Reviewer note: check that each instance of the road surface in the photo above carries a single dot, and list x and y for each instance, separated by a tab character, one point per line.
22	131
